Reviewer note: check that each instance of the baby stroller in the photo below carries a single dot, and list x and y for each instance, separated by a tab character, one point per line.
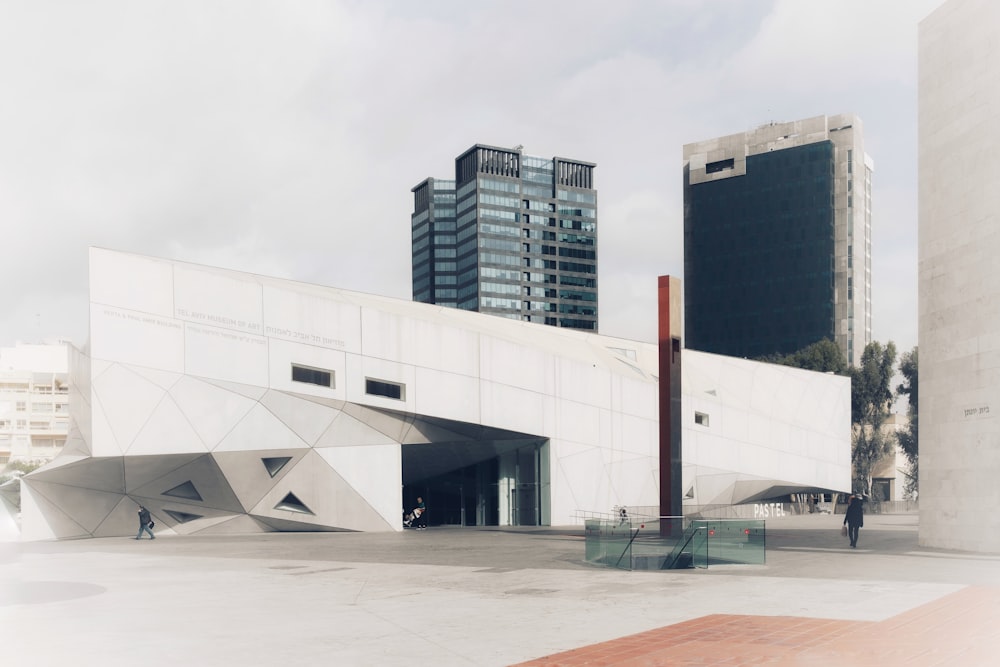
410	517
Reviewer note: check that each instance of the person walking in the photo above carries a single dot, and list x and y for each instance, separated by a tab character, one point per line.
145	523
854	519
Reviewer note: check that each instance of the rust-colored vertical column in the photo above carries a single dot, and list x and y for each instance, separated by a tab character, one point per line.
669	315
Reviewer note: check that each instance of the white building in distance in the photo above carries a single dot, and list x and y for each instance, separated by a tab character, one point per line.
34	401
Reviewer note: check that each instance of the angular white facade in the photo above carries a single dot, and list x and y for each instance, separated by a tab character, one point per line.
756	431
959	318
187	405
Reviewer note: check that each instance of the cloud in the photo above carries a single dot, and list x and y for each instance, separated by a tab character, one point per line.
283	138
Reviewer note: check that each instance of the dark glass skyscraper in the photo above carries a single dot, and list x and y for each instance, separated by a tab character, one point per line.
512	235
777	239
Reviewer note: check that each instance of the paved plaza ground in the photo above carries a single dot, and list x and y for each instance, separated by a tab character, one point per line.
494	596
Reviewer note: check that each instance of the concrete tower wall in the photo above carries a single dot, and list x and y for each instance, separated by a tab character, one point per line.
959	329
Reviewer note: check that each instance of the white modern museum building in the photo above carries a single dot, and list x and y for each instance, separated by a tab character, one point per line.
230	402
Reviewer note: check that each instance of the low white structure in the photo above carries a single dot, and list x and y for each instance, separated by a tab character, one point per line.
755	431
231	402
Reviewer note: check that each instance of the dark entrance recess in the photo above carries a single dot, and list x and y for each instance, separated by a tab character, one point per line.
458	497
476	476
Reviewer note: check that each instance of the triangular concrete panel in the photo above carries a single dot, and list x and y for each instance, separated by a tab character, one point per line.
334	503
248	476
372	471
260	429
9	531
200	525
624	475
328	402
80	428
423	432
163	379
181	516
103	441
347	431
86	507
286	525
34	526
241	524
306	418
42	519
62	459
76	448
390	423
579	469
202	476
98	367
714	487
166	432
103	474
250	391
141	470
122	521
128	400
211	410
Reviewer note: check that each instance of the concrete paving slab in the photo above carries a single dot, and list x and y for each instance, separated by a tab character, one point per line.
445	596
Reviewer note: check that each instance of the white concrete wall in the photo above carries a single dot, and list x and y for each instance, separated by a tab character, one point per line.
768	426
959	284
188	361
175	320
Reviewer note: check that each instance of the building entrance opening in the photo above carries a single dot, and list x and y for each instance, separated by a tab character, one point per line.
489	482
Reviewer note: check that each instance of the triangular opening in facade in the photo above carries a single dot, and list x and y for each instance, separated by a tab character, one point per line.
185	490
274	464
291	503
181	517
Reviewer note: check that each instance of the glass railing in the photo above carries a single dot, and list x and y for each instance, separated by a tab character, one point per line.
673	542
731	541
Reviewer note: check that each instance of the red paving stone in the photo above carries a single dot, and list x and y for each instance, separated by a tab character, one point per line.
957	630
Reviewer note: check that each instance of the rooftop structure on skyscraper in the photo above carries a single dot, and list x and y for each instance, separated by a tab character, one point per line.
511	235
777	239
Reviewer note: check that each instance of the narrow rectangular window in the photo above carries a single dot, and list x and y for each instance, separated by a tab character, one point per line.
384	388
311	375
720	165
701	419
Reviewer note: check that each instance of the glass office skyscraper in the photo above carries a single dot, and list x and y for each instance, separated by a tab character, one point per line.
777	239
512	235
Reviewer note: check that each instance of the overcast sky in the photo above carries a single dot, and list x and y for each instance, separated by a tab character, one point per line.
283	138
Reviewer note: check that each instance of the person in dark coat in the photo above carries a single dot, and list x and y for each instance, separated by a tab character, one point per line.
420	514
144	520
854	519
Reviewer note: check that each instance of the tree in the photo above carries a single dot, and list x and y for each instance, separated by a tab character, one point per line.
907	438
823	356
18	468
871	399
